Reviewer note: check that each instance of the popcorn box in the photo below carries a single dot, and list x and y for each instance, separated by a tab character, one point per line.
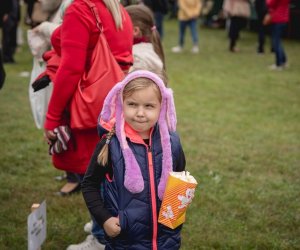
178	195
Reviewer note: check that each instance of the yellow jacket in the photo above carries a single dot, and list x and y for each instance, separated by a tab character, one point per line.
188	9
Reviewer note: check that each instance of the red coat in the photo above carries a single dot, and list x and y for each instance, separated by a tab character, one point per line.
74	42
279	10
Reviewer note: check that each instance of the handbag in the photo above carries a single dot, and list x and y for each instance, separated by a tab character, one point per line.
95	83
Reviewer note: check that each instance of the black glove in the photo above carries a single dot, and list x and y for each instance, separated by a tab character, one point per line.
40	83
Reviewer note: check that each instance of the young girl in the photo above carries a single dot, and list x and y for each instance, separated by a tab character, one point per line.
132	162
147	48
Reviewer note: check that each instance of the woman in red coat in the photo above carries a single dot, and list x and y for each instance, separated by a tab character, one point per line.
74	42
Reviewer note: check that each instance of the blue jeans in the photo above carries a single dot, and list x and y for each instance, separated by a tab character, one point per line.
98	232
192	23
277	30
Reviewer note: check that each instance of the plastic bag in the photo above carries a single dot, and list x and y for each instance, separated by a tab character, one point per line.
39	100
37	43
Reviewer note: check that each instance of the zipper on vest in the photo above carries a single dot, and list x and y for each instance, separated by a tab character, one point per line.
153	198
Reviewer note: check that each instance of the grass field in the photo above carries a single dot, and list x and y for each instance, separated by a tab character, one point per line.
240	128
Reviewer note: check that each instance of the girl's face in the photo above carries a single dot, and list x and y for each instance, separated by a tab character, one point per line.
141	110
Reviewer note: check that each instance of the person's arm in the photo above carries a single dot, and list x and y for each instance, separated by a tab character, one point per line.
92	196
75	36
177	154
93	177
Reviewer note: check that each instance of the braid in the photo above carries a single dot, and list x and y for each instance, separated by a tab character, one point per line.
103	155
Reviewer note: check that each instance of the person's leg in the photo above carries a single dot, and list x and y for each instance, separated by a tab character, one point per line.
6	35
232	33
276	43
98	232
159	18
261	37
194	31
72	185
13	40
194	34
2	70
281	53
182	28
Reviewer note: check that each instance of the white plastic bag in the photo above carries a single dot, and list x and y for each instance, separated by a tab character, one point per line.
37	43
39	100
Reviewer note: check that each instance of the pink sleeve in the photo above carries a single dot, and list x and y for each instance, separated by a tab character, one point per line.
74	45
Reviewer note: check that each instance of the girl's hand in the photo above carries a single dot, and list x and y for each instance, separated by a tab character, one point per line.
112	227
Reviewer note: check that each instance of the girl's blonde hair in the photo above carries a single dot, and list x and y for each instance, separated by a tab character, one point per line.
142	17
115	10
139	84
134	85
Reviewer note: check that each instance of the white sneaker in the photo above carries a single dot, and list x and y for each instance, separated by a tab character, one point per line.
285	65
274	67
88	227
177	49
195	49
90	243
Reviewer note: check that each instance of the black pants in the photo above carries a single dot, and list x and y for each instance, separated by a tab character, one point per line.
2	71
9	40
236	25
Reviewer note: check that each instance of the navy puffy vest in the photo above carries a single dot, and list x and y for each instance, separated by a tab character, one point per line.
135	210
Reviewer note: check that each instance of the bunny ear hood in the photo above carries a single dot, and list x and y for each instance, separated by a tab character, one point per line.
113	108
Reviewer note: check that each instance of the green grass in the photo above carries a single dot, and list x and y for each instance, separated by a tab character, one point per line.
240	129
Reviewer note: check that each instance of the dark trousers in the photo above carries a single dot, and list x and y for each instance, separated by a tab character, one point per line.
159	23
2	70
277	30
9	40
236	24
74	178
261	29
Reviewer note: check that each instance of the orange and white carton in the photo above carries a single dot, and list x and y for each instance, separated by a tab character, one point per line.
178	195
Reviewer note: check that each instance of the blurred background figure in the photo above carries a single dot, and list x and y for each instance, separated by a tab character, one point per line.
2	71
10	13
261	11
212	15
173	7
237	13
279	14
188	13
147	48
29	10
160	9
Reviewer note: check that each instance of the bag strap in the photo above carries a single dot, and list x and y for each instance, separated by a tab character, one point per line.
96	14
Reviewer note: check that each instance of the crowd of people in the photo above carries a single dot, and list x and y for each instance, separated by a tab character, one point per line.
120	163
